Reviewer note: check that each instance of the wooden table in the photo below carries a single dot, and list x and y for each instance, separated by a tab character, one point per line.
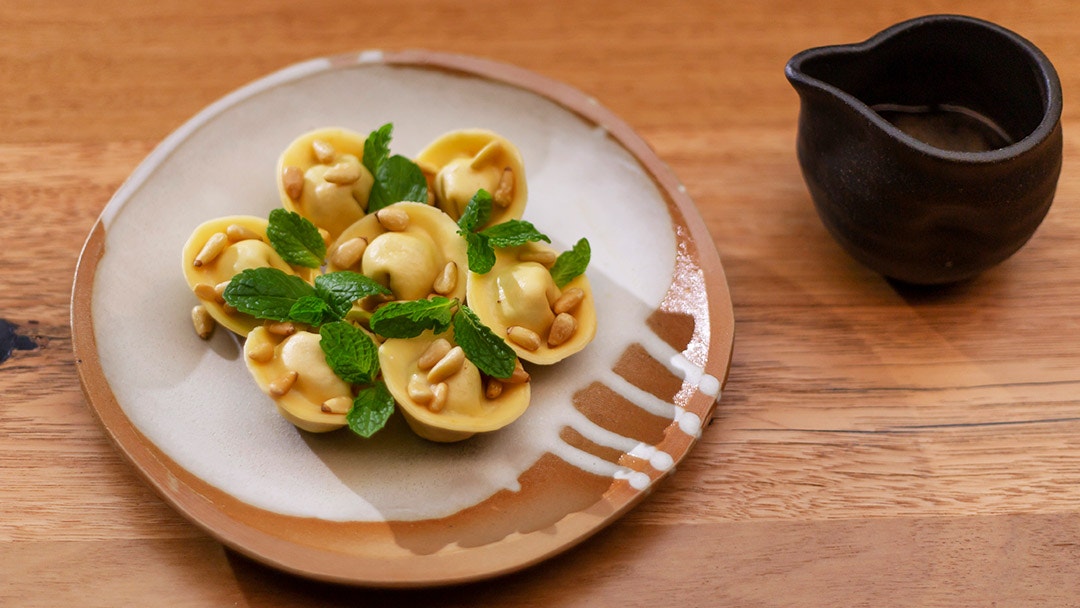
874	445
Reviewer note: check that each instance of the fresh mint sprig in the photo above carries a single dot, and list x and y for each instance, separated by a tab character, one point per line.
266	293
295	238
408	319
270	293
350	352
571	263
490	353
370	411
481	243
396	178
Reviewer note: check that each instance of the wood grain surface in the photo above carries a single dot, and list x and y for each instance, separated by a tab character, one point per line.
875	445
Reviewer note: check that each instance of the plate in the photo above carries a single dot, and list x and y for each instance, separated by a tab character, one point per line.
603	428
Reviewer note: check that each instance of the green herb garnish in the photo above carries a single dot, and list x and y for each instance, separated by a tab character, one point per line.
477	212
377	147
512	233
411	318
311	310
371	408
266	293
295	239
341	289
350	352
571	263
488	352
396	178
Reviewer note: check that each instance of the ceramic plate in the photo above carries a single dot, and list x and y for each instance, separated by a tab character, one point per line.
603	428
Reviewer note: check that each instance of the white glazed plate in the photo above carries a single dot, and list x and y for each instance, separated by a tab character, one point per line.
603	427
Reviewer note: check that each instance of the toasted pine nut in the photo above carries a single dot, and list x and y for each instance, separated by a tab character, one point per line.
261	352
292	179
523	337
228	308
211	249
504	194
343	174
433	354
438	397
203	322
219	290
284	384
236	232
447	279
419	390
324	152
205	292
393	219
337	405
544	257
447	366
519	376
348	253
493	388
281	328
562	328
568	300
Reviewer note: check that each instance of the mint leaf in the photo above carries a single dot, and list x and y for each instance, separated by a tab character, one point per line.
377	147
488	352
311	310
477	212
480	252
370	411
409	319
350	352
266	293
512	233
343	288
571	263
295	239
397	179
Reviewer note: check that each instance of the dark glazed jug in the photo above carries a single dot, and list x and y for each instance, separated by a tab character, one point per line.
932	150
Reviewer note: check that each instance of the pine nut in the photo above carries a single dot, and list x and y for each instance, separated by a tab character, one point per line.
324	152
348	253
337	405
292	179
393	219
419	390
447	279
523	337
449	365
519	376
568	300
203	322
285	328
219	290
544	257
504	193
205	292
562	328
493	388
438	397
236	232
211	249
433	354
342	174
284	384
261	352
228	308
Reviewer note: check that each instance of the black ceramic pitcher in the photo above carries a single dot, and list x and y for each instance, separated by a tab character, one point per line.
932	150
